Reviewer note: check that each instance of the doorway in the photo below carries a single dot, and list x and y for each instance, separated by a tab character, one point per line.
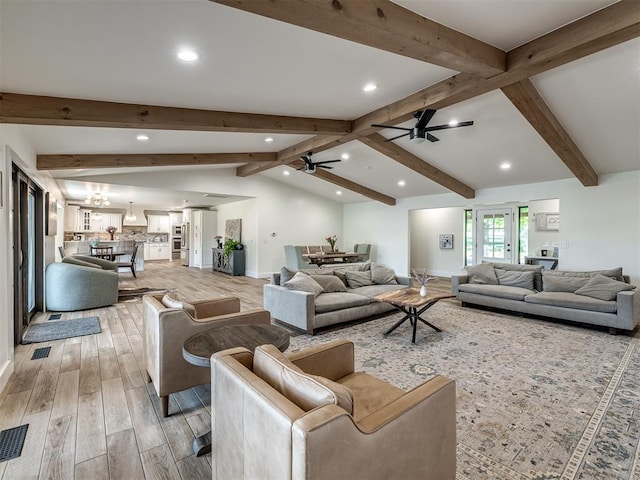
28	250
493	234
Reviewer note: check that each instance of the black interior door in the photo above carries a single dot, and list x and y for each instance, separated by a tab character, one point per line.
28	253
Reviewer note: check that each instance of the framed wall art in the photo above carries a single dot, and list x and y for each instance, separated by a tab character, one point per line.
446	240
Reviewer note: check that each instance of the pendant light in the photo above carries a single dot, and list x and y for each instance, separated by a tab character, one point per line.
130	217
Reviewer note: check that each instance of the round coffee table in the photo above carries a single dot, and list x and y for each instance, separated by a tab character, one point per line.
198	349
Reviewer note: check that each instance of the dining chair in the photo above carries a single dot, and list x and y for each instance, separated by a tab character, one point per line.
62	252
131	263
102	252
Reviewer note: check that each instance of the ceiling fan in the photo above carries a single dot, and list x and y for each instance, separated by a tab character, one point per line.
420	132
310	166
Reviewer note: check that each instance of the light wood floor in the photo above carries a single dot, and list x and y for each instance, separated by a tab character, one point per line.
92	415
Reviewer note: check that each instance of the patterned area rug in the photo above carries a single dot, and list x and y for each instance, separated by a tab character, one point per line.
535	399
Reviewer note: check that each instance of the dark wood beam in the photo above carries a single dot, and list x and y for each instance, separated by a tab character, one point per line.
61	162
387	26
605	28
532	106
41	110
409	160
348	184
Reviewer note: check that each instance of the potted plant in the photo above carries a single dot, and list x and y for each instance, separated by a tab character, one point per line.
229	245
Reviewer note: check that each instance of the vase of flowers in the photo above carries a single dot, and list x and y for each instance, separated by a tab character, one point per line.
332	239
423	279
111	230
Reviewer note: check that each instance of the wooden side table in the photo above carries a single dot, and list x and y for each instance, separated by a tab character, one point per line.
198	349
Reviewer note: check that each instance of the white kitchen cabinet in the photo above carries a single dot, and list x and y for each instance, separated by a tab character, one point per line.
157	251
158	224
99	221
83	223
175	218
71	218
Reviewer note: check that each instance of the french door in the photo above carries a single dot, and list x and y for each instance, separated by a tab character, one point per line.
493	234
28	230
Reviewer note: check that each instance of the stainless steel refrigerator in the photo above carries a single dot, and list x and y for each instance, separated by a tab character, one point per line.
184	244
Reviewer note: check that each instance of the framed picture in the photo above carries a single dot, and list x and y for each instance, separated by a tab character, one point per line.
446	240
51	206
548	221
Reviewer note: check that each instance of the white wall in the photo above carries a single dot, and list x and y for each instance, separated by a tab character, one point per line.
247	211
538	238
14	147
601	225
425	227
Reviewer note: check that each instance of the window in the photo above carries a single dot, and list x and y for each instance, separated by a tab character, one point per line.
468	237
523	233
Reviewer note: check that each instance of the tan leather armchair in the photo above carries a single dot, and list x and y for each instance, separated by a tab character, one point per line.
378	431
165	331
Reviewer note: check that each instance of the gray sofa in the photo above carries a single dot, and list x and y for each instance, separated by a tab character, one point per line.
590	297
308	311
80	283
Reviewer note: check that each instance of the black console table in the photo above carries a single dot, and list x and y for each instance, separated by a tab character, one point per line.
233	264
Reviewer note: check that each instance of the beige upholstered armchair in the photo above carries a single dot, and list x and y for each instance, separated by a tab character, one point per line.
310	416
167	328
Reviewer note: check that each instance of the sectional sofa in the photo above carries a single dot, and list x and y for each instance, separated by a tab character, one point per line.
331	297
599	297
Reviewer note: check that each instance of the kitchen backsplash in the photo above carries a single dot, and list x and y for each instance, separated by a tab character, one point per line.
128	233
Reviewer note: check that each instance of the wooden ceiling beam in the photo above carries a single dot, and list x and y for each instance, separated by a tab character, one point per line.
41	110
533	107
348	184
62	162
605	28
387	26
393	151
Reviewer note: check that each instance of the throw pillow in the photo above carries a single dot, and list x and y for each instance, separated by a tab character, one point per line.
365	266
615	273
358	279
603	288
330	283
515	279
304	283
305	390
383	275
172	300
340	274
482	273
286	275
563	281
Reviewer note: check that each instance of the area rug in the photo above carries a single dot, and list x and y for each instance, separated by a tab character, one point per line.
535	399
132	294
56	330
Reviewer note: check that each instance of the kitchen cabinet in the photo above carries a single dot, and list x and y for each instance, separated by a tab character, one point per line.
233	264
71	218
83	223
158	224
100	221
175	218
157	251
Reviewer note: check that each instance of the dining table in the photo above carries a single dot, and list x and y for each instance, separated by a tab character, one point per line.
323	258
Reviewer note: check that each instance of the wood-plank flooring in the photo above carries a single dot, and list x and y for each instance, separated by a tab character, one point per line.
90	411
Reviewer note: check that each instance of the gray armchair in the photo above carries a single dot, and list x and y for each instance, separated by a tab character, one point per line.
70	287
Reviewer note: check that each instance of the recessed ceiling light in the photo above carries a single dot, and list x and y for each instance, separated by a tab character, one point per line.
338	192
369	87
268	139
142	137
401	183
453	123
286	172
345	156
505	166
187	55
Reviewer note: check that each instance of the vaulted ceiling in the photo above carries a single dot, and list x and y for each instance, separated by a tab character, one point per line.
553	89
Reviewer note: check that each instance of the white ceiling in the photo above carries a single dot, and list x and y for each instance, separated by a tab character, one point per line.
125	51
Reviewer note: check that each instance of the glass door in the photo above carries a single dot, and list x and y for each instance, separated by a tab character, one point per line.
493	234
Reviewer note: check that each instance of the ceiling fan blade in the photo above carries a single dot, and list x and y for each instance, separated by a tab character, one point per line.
390	126
445	127
399	136
431	138
327	161
324	166
425	117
